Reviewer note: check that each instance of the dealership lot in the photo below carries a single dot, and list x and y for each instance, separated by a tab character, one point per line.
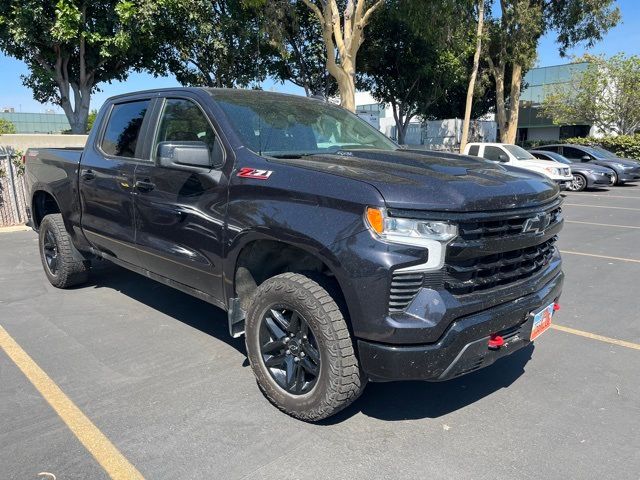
155	371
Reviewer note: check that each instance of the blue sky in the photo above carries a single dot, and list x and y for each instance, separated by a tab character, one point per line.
624	38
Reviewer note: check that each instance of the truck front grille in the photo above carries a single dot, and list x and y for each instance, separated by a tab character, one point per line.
486	272
481	229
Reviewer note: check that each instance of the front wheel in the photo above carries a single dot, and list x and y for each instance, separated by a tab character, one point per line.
300	348
579	183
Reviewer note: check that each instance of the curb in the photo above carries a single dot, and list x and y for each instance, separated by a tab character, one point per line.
16	228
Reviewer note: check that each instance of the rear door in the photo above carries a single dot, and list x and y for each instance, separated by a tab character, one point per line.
180	211
106	179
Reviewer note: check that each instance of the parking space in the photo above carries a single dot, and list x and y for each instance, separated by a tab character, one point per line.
155	371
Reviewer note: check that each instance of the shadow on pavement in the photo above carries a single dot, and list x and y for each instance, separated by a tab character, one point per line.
386	401
189	310
414	400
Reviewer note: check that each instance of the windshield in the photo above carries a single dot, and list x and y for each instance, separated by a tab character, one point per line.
556	157
286	125
519	152
602	153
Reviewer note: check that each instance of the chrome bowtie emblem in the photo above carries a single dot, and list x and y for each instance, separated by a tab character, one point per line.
536	224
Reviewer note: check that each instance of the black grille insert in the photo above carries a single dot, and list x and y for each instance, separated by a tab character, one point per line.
482	273
404	288
480	229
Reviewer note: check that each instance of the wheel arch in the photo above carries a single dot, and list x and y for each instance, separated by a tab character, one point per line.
43	203
262	257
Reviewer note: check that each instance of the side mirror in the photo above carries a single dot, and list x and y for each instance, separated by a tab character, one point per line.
503	158
585	158
184	155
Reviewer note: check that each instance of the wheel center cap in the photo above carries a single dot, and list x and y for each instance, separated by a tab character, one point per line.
294	346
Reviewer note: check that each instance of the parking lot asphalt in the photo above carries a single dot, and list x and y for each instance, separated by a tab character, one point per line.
156	372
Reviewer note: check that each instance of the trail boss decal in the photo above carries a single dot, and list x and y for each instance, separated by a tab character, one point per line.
248	172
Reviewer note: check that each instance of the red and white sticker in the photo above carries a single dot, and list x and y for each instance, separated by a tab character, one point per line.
248	172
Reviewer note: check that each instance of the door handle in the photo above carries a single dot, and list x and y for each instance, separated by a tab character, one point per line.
144	186
88	175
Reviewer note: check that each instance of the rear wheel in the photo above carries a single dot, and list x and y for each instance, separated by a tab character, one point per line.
63	264
300	348
579	183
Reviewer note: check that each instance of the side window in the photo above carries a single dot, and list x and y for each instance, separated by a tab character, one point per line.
493	153
473	150
123	127
182	121
572	153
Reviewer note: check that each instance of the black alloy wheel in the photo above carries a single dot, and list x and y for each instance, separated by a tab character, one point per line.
50	252
289	350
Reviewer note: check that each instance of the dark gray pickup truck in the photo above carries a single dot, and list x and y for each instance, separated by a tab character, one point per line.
341	257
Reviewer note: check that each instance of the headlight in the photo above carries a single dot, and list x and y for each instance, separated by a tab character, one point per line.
551	170
430	234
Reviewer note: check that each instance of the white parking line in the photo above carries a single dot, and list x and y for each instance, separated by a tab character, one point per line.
606	257
601	206
601	224
602	195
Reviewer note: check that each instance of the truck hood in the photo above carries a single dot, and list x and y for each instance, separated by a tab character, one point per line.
540	164
413	179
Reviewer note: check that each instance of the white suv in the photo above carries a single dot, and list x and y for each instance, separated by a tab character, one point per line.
518	157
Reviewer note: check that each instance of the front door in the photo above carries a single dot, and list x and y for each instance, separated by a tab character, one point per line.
107	179
180	211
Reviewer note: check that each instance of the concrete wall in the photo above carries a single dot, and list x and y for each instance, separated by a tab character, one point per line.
22	141
543	133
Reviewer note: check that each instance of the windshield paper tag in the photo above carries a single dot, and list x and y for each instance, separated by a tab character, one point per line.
248	172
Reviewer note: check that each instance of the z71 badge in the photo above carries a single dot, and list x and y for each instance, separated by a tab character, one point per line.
247	172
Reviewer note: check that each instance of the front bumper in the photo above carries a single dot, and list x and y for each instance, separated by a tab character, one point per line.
463	347
597	179
629	176
563	184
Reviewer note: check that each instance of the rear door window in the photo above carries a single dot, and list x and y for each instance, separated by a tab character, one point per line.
493	153
120	137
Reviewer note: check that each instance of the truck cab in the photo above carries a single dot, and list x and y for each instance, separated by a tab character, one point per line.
515	156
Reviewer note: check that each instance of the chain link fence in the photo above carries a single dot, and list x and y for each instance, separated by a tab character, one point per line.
13	198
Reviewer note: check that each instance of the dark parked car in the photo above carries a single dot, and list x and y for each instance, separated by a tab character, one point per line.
626	170
341	258
585	175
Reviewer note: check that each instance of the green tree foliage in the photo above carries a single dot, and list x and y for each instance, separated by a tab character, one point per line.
6	126
605	95
216	43
71	46
514	34
421	67
91	119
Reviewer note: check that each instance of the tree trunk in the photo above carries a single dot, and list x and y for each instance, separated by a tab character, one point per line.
347	89
472	81
514	104
501	113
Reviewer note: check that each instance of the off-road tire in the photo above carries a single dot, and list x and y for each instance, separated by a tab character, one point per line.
72	267
340	380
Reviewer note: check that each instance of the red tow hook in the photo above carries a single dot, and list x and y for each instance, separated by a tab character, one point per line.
495	342
556	307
